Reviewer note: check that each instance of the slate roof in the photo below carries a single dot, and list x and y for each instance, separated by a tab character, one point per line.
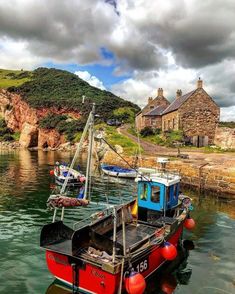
178	102
158	110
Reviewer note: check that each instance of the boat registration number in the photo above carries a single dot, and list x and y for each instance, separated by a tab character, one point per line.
141	266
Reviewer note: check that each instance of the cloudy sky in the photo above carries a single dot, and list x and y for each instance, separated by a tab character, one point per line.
131	47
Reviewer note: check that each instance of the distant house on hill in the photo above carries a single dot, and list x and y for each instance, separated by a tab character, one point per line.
151	114
195	113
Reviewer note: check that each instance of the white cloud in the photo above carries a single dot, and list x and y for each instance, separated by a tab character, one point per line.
92	80
145	84
15	55
166	44
227	113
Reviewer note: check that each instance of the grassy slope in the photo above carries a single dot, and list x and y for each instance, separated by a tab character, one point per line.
51	87
9	78
113	137
59	88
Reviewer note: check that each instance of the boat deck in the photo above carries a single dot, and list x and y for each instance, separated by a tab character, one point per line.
135	234
63	246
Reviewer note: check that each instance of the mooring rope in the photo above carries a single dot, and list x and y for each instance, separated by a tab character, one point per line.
135	169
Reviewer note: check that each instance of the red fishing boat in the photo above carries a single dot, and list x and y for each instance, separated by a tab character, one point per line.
124	244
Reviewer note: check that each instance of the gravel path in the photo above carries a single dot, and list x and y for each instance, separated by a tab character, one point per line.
225	160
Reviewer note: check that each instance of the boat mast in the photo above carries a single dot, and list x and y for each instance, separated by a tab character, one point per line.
114	232
123	232
77	152
89	158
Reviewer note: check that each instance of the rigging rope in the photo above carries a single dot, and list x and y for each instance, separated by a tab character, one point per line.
135	169
76	154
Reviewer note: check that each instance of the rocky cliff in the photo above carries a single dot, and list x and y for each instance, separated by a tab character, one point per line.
48	105
19	116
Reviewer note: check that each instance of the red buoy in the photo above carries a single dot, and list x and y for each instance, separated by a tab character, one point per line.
169	251
82	179
189	223
135	283
52	172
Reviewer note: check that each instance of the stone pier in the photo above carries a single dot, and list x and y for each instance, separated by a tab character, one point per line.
220	180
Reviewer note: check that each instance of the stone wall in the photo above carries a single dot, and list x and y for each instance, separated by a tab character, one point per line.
154	121
139	121
199	116
225	138
197	175
170	121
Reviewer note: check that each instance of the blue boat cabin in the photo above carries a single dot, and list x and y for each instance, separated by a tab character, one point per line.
154	196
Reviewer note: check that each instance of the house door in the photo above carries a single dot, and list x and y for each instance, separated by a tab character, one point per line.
200	141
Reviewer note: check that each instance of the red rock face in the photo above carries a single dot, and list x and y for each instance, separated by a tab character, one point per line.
49	138
18	114
41	112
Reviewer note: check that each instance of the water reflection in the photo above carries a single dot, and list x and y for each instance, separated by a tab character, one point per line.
24	189
172	274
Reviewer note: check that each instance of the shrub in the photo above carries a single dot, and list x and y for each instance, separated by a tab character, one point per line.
147	131
170	137
70	128
124	114
8	137
51	121
2	123
227	124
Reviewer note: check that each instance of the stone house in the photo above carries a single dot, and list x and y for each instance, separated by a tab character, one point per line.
195	113
151	114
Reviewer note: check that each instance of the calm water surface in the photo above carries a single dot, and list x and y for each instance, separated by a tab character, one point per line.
24	189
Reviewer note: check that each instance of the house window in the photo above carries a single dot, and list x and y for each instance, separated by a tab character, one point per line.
173	123
164	125
152	107
153	121
169	124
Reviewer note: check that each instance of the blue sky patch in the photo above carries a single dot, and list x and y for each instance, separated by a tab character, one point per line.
103	73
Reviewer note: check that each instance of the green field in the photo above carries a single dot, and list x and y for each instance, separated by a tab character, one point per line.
9	78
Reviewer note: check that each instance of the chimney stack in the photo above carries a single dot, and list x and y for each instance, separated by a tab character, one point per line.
199	83
178	93
150	99
160	92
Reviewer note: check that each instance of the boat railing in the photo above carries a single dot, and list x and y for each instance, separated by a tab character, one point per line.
156	172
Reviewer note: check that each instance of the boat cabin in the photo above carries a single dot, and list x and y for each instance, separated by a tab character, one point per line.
158	194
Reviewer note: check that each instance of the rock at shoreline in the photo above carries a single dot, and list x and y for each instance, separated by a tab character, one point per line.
29	136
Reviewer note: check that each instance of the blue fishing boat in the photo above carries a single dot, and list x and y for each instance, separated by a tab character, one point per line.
117	171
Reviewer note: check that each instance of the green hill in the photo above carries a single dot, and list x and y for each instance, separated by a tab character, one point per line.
9	78
45	87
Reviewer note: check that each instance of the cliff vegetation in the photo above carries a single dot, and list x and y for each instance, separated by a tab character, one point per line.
62	89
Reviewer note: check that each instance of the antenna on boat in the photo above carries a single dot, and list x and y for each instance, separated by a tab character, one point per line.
163	161
139	148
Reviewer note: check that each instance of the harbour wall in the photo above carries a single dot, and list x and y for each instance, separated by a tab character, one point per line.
201	176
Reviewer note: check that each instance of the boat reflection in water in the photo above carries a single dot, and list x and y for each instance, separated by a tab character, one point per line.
165	281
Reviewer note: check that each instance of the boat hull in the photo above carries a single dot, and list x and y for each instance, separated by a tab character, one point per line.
118	172
81	275
73	180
